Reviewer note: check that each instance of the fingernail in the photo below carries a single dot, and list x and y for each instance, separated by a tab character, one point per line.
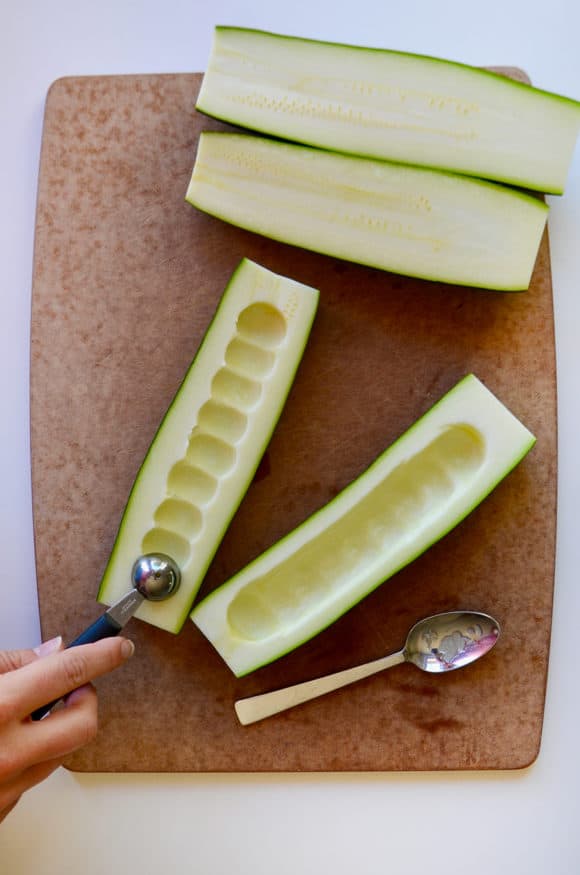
48	647
127	648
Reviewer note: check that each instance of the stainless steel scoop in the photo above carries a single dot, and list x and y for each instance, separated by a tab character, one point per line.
436	644
155	577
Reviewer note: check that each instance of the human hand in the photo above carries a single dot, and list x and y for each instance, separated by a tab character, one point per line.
31	751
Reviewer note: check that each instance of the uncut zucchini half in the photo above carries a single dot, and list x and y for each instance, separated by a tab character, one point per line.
213	436
409	220
414	493
393	105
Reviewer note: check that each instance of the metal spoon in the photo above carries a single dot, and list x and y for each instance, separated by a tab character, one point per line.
436	644
154	577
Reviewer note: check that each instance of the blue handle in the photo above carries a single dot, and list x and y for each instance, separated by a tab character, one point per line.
101	628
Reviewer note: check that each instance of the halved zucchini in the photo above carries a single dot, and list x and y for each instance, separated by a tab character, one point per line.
213	436
393	105
414	493
409	220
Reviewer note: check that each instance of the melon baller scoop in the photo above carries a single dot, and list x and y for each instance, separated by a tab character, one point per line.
154	577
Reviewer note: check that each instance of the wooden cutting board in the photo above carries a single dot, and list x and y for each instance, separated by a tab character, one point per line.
126	278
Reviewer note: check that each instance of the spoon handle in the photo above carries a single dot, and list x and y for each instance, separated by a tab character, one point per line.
258	707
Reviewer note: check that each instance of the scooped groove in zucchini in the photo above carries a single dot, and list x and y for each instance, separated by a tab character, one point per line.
408	220
212	438
393	105
411	496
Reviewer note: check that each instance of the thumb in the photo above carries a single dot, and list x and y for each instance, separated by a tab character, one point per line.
10	660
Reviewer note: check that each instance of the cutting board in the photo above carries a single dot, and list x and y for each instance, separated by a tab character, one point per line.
126	278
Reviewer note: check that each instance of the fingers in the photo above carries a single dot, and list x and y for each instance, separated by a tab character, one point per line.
65	730
54	676
41	747
10	660
25	744
30	751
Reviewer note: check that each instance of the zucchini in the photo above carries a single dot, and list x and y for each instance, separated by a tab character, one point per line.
410	220
213	436
391	105
414	493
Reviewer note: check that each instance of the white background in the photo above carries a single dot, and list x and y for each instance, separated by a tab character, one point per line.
523	822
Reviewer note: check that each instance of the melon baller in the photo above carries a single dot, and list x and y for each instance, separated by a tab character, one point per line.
154	577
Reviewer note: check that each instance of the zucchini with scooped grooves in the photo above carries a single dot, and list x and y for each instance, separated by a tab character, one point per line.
409	220
412	495
391	105
213	436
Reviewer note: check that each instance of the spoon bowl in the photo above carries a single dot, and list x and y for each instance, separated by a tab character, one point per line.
451	640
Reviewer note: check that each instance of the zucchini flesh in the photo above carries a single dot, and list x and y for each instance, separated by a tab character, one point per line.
391	105
409	220
213	436
412	495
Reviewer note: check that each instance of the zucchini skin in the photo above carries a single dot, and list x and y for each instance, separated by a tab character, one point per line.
245	149
214	623
332	619
135	487
224	28
376	149
275	408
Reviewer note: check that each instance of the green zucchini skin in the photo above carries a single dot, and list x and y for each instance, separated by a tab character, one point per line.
391	105
250	286
425	223
500	442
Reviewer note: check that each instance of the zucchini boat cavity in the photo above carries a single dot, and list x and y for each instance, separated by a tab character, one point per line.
393	105
213	436
409	220
414	493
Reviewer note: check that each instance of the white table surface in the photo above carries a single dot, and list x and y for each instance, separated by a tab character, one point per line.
521	822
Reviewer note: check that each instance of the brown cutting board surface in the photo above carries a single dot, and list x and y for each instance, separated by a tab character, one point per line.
126	278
